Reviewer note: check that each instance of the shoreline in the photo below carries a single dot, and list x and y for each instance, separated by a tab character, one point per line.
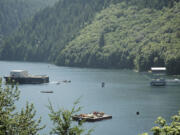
97	67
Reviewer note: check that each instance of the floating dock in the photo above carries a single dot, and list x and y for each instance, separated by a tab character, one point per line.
22	77
158	74
92	117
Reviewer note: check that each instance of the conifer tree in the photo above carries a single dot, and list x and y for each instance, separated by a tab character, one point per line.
13	122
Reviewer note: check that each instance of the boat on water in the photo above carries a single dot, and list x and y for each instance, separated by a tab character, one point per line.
22	77
92	117
46	91
158	74
173	81
158	82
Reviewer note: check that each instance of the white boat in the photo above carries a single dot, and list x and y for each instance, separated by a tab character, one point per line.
158	76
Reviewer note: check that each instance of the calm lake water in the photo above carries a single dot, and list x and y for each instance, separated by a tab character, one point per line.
125	93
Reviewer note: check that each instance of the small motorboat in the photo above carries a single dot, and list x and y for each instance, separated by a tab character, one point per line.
46	91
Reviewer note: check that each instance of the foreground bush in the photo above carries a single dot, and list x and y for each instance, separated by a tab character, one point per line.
63	122
164	128
13	122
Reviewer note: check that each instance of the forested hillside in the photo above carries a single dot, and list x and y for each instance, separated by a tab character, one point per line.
101	33
126	37
13	12
43	37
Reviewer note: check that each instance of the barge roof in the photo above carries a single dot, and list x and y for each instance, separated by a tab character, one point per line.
158	68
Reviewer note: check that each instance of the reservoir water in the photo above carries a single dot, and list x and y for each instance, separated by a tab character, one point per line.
125	93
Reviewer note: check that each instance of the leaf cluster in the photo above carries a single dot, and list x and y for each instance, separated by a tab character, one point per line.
63	121
167	129
12	122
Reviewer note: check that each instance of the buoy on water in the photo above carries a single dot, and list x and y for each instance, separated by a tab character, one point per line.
103	84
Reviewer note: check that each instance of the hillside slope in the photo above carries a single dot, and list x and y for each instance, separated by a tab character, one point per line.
120	36
13	12
126	37
42	37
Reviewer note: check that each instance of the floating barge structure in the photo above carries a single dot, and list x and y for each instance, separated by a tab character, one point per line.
158	76
92	117
158	82
22	77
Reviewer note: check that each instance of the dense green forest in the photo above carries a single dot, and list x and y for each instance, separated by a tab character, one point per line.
101	33
13	12
126	37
